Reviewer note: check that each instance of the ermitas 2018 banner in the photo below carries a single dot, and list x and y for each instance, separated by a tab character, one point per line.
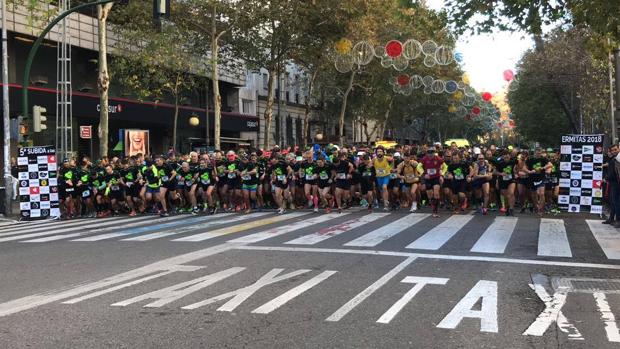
581	173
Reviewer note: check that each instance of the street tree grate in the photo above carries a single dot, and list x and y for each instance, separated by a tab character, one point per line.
585	285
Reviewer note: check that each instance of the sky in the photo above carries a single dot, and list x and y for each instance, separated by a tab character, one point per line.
487	56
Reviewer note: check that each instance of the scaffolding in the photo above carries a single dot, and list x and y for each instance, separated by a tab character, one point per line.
64	109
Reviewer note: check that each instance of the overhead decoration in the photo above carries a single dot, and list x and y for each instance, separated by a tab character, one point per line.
487	96
343	46
394	48
508	75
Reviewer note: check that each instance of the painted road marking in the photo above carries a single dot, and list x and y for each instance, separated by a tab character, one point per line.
496	237
277	231
438	236
241	227
377	236
33	301
22	228
552	312
134	223
419	282
609	319
360	297
432	256
175	292
484	292
336	230
240	295
552	239
200	226
104	223
292	293
149	228
607	237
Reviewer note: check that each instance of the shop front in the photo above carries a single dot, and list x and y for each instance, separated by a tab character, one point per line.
128	114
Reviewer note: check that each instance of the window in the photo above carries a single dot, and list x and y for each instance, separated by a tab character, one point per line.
265	81
247	106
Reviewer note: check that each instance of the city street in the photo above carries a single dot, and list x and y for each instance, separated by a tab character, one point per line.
350	280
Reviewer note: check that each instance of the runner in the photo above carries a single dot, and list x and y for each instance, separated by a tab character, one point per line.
432	165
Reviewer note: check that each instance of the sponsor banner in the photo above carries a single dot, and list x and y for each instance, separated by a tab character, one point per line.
38	190
581	173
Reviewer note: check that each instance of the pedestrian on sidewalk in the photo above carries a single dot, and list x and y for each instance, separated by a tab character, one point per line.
613	181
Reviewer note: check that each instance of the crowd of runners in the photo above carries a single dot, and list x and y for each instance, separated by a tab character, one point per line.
321	178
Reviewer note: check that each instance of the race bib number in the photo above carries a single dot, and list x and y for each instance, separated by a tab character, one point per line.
129	184
115	187
324	176
341	176
309	177
69	190
281	178
232	175
537	183
432	171
410	177
246	177
165	178
381	171
86	193
459	177
189	182
367	174
393	175
205	181
507	177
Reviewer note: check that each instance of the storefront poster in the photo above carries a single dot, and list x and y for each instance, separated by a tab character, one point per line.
581	174
136	142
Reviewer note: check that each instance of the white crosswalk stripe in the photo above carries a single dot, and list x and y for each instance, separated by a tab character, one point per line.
187	229
496	237
103	223
49	225
607	238
438	236
552	239
138	221
241	227
377	236
336	230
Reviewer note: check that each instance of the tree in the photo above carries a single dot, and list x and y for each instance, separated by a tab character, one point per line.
565	79
156	64
103	78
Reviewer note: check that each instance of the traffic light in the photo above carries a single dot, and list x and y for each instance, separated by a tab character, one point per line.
39	118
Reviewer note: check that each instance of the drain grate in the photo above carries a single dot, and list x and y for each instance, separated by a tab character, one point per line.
584	285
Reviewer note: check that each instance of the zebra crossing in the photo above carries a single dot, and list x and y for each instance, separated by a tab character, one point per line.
351	229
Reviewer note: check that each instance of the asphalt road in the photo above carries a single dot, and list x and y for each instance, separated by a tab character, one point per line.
305	280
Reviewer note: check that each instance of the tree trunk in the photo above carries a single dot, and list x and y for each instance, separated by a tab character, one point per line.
217	98
568	112
343	109
269	108
306	124
175	122
103	80
386	116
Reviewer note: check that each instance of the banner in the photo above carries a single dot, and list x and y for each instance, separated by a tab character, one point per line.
38	182
581	173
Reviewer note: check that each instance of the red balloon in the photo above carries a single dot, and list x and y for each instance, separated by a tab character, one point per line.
475	110
487	96
403	79
394	48
508	75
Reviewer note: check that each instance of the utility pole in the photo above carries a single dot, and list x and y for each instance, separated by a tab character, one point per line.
6	116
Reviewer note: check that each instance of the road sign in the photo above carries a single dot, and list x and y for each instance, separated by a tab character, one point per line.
86	132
